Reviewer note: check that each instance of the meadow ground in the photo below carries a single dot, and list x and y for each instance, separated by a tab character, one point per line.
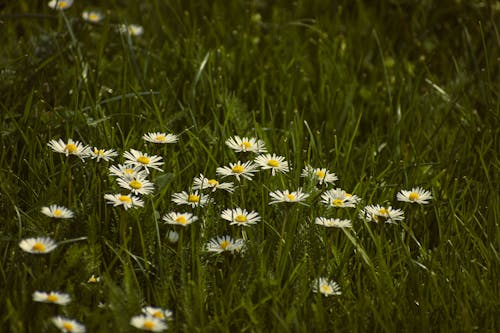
386	98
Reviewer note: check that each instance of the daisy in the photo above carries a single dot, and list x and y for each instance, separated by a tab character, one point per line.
157	137
92	16
240	217
339	198
38	245
68	325
321	175
58	212
224	244
125	200
131	29
416	195
201	183
287	196
183	219
102	154
173	236
70	148
338	223
273	162
377	213
139	185
52	297
148	323
60	4
127	171
245	170
136	157
94	279
194	199
326	287
246	144
162	314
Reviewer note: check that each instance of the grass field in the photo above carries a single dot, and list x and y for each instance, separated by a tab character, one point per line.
388	97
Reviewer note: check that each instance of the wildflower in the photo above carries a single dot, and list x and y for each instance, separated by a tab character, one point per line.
94	279
224	244
338	223
246	144
127	171
136	157
201	183
273	162
68	325
92	16
52	297
162	314
38	245
139	185
131	29
245	170
377	213
240	217
60	4
326	287
416	195
321	175
125	200
157	137
58	212
71	148
183	219
287	196
339	198
194	199
173	236
148	323
105	155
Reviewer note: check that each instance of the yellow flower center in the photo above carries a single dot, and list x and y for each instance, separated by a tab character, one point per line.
52	298
160	138
338	202
348	195
99	152
38	247
158	314
245	144
290	197
212	182
181	219
125	199
273	163
148	324
193	198
62	4
71	148
92	279
383	212
320	174
143	159
224	244
68	326
93	17
129	171
325	289
240	218
57	212
413	196
135	184
238	169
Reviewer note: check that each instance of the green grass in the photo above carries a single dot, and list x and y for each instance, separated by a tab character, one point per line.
387	96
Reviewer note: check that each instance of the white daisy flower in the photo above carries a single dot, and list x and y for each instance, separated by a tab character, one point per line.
201	183
339	198
38	245
94	279
274	162
60	4
320	175
70	148
416	195
131	29
58	212
287	196
51	297
246	144
92	16
136	157
162	314
224	244
377	213
125	200
127	171
139	185
337	223
326	287
240	217
157	137
67	325
102	154
148	323
182	219
194	199
238	169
